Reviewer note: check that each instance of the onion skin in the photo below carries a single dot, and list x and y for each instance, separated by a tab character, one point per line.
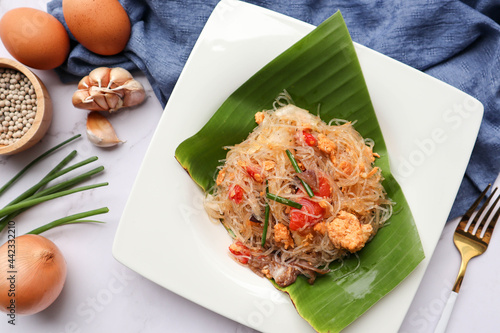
40	274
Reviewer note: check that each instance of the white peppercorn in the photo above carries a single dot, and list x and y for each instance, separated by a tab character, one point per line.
17	105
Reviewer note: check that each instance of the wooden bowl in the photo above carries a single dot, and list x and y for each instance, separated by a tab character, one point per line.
43	116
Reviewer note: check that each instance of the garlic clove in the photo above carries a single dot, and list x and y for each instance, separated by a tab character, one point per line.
82	99
134	93
118	76
114	101
100	131
98	97
80	96
99	77
84	83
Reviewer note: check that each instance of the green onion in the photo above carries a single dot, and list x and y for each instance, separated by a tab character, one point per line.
39	192
266	224
53	174
70	182
75	218
63	186
34	162
308	189
266	218
282	200
32	202
61	164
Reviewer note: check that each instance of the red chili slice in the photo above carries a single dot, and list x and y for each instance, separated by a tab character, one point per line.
324	188
255	173
309	139
299	220
240	252
236	194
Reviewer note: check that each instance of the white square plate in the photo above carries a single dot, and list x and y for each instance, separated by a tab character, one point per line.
164	234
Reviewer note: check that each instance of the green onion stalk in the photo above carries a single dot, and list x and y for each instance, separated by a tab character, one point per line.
43	191
297	169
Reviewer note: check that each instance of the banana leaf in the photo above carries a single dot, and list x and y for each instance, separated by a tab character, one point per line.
321	72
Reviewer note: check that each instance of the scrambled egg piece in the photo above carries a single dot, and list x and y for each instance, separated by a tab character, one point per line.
259	117
220	176
326	145
282	235
346	232
320	227
269	165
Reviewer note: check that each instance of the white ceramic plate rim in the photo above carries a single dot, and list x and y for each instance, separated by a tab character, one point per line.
429	127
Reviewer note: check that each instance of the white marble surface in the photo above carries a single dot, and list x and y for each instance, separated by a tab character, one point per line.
101	295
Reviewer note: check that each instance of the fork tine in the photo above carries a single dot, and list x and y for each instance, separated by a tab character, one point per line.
489	230
485	218
466	217
480	213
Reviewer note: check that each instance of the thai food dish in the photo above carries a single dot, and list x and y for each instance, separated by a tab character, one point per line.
298	194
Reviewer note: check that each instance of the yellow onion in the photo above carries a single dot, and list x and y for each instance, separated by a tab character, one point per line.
32	274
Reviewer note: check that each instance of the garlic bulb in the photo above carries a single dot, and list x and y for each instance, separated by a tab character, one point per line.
100	131
108	89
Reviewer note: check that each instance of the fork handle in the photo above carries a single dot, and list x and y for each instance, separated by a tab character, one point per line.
445	316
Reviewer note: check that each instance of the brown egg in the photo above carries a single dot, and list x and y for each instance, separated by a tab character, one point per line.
34	38
101	26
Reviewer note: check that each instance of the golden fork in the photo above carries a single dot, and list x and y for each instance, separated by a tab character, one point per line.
470	243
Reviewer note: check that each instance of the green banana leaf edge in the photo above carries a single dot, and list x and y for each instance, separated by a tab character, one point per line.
322	74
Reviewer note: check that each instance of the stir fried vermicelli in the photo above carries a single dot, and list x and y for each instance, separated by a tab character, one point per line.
305	232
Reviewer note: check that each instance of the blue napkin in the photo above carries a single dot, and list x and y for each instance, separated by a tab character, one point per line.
455	41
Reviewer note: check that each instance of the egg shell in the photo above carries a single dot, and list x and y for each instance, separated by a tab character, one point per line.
34	38
102	27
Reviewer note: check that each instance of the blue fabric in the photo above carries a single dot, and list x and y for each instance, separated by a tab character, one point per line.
455	41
